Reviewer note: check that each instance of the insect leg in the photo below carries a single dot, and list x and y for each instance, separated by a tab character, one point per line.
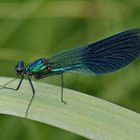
18	86
30	81
62	85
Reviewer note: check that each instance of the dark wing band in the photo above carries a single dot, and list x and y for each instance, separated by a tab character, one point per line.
105	56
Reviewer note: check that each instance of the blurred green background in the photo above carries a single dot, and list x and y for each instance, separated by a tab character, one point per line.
30	29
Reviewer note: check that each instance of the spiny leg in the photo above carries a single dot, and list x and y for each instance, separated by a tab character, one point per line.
62	85
30	81
18	86
8	82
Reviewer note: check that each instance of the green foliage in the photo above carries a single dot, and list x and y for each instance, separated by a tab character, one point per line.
83	114
31	29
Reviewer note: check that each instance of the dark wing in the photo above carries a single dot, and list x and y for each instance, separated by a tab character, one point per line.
104	56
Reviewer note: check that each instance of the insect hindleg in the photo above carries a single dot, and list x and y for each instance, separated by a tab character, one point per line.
62	86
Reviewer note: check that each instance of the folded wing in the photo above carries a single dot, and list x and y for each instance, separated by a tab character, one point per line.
104	56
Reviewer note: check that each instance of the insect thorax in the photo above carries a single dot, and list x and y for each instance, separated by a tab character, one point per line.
39	67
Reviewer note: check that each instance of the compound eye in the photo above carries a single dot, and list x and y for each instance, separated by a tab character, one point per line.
21	64
19	67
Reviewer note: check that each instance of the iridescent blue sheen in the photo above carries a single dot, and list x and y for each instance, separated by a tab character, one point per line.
101	57
104	56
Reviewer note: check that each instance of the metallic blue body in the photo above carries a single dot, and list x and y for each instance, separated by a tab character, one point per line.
104	56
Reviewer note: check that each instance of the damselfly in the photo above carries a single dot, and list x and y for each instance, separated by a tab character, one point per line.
101	57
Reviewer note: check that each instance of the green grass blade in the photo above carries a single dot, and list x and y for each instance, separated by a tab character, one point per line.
84	115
